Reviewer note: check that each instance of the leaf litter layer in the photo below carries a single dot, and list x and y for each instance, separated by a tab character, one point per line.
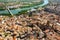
38	26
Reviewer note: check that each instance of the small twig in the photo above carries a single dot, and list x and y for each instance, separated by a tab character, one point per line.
9	11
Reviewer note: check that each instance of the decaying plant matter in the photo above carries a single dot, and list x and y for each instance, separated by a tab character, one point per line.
41	26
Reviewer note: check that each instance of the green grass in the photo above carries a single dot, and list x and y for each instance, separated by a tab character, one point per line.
24	11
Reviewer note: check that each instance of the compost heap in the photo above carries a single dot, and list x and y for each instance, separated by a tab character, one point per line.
40	26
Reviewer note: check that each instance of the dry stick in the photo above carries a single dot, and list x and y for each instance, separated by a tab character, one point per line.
9	11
